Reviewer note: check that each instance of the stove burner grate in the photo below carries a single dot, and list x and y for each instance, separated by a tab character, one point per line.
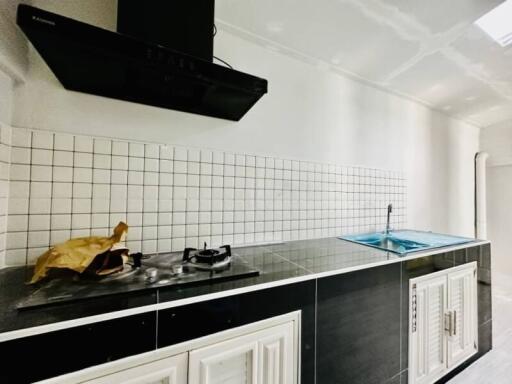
208	258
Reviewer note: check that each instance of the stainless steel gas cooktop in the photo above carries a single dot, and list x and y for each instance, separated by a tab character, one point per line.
194	266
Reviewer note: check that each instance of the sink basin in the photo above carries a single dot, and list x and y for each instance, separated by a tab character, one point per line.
390	243
406	241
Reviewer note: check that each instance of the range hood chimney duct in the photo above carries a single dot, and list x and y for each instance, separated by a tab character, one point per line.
182	25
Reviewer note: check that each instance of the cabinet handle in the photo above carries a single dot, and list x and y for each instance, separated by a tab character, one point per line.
454	322
414	308
448	322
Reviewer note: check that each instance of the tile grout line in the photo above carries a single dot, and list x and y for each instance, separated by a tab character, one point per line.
157	202
289	261
29	183
52	170
109	199
93	168
143	186
157	197
110	229
171	226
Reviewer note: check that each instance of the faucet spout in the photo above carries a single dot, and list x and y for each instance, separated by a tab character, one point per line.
390	209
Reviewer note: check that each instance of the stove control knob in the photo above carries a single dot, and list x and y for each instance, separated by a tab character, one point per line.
177	269
151	274
137	259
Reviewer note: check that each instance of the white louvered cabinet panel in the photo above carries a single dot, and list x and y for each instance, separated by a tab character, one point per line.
171	370
263	357
428	339
443	322
462	303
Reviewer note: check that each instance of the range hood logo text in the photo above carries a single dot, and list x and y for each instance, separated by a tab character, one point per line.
41	20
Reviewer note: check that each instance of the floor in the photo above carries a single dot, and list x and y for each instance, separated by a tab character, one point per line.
496	366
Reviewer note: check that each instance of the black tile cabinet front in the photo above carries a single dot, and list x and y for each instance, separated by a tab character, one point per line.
363	318
55	353
354	326
192	321
358	329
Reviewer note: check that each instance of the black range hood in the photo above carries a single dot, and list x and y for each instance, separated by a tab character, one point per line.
92	60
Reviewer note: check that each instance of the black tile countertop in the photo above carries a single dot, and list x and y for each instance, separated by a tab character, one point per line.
279	264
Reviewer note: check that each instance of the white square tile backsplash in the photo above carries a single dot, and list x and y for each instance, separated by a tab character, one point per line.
171	197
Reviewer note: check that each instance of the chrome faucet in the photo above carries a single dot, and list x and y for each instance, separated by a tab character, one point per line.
390	209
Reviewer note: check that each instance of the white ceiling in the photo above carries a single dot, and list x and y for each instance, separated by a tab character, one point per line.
427	50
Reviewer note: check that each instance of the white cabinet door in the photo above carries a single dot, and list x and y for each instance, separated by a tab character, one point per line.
428	350
462	308
171	370
263	357
443	322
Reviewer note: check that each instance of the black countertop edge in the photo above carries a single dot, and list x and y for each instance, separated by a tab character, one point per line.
230	291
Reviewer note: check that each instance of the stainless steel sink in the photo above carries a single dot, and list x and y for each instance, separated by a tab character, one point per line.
405	241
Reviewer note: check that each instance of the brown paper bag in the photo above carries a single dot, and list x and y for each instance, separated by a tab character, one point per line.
109	262
76	254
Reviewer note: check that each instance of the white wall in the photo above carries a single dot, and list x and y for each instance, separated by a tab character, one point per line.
309	113
499	216
6	85
449	178
13	46
497	141
5	117
13	58
12	65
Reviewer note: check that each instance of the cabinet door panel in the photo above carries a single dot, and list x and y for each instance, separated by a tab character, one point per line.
462	303
443	323
263	357
172	370
277	356
229	365
428	352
